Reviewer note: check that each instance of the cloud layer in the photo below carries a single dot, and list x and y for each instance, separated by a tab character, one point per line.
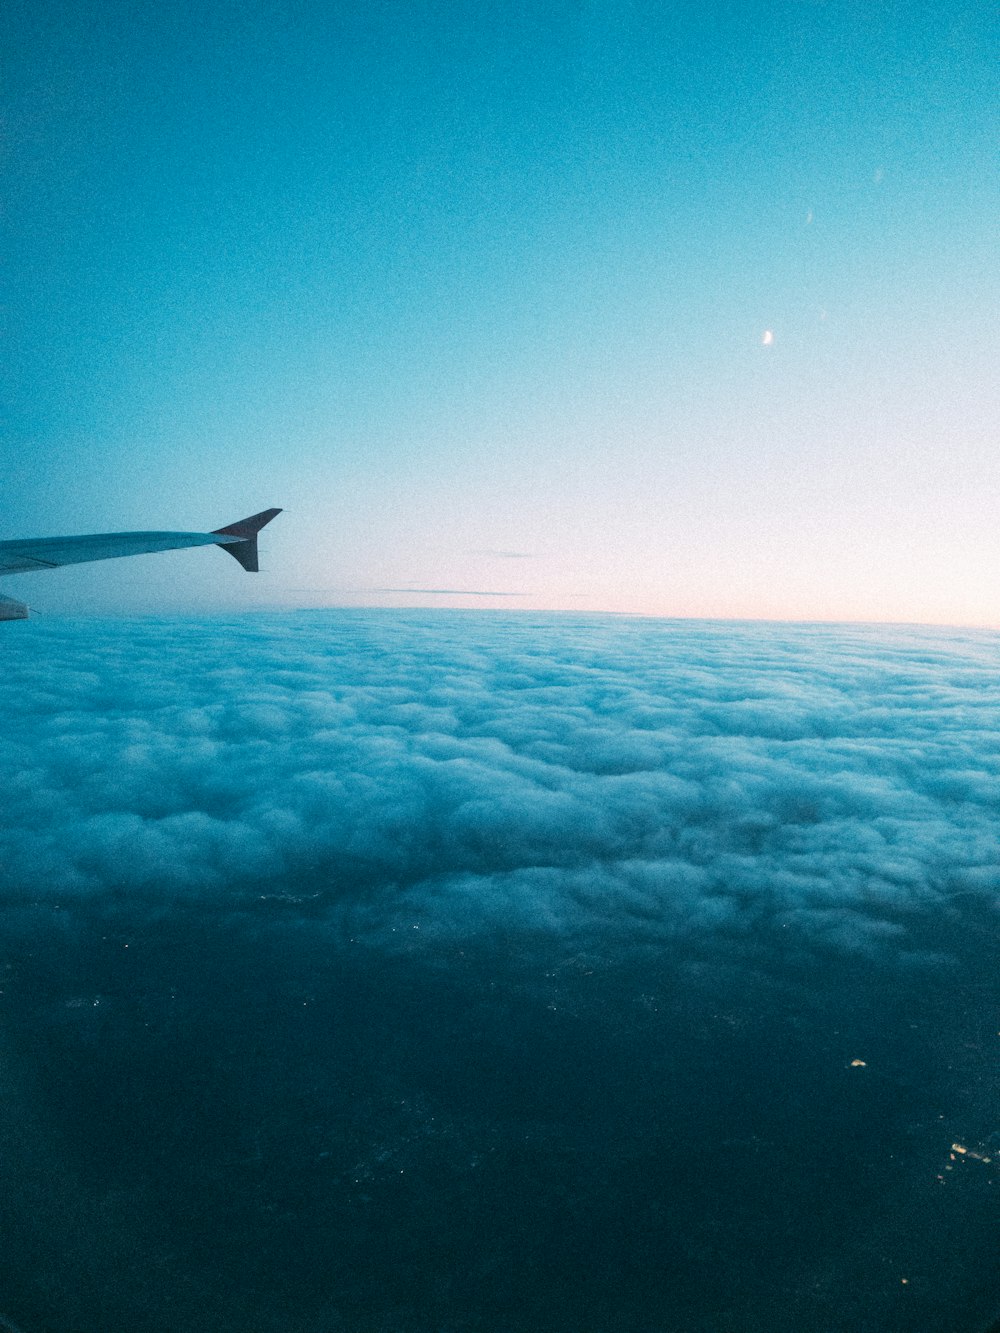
601	779
468	970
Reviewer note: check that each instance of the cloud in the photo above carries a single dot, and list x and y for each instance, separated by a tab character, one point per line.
612	783
326	926
452	592
506	555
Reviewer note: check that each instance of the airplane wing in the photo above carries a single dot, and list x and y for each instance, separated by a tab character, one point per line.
18	557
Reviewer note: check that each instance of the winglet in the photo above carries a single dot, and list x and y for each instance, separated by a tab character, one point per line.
243	535
11	610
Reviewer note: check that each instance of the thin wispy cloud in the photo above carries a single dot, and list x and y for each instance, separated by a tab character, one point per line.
430	592
452	592
507	555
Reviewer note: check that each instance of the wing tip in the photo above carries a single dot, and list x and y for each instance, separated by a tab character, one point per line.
243	546
247	528
13	610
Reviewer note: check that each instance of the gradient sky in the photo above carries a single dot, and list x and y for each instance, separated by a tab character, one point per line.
670	309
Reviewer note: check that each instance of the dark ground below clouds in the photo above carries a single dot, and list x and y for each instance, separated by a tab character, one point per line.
243	1121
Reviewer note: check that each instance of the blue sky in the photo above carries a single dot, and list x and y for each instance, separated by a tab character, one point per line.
689	308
